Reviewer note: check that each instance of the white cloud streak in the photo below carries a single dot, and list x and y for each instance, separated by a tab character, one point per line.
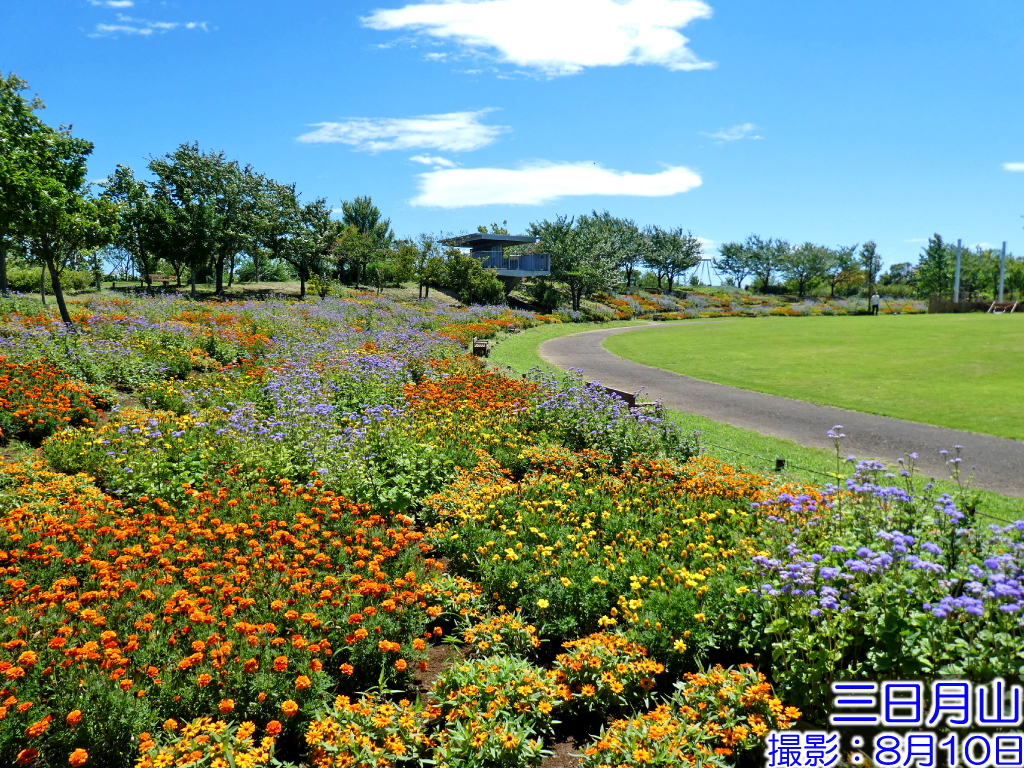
543	182
558	37
1014	167
127	25
451	132
113	3
735	133
437	162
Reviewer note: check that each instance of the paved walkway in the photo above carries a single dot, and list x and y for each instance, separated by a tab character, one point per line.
999	461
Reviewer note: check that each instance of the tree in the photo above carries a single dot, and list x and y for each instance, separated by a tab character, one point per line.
353	250
428	263
396	265
64	218
187	186
670	253
733	261
629	248
18	126
582	254
871	264
312	242
468	278
765	257
805	265
903	273
368	221
138	233
979	268
841	268
935	268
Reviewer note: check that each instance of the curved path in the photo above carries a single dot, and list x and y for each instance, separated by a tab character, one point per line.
999	461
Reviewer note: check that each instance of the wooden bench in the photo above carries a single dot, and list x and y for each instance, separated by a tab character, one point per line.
481	347
1002	309
159	279
628	397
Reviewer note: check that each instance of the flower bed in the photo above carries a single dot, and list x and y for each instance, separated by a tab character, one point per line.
282	503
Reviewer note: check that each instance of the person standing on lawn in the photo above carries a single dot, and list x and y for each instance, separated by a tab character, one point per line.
873	304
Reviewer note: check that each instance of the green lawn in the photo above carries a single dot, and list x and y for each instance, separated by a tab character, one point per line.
960	371
518	353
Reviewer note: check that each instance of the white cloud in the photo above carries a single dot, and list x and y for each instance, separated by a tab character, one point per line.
128	25
452	132
103	30
559	37
1014	167
113	3
542	182
437	162
735	133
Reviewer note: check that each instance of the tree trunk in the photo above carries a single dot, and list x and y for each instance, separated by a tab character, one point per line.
421	291
428	291
42	284
193	271
219	290
177	276
231	271
58	292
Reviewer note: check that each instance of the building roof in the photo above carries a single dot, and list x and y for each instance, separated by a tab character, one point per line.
481	240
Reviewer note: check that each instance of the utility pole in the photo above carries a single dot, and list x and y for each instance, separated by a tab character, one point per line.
956	278
1002	272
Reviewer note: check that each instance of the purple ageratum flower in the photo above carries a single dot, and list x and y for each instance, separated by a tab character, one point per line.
932	548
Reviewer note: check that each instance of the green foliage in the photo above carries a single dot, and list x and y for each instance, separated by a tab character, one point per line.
473	284
669	253
935	268
582	253
544	295
25	280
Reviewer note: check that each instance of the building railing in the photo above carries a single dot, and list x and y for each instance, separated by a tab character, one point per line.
527	262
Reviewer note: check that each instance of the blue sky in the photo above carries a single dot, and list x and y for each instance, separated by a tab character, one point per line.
829	122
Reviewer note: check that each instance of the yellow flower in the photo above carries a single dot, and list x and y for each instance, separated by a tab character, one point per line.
680	646
542	603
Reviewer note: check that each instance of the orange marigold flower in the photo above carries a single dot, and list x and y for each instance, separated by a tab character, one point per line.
78	757
280	663
203	680
273	728
226	706
38	728
170	725
26	756
302	683
74	717
347	669
419	644
251	665
289	708
401	665
28	658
